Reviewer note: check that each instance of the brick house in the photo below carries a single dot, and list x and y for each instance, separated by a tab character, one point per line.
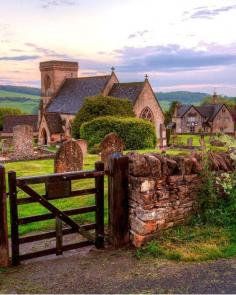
210	118
63	94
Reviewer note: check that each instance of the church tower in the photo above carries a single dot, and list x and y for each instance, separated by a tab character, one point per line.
53	74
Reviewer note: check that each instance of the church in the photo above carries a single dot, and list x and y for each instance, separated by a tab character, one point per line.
63	94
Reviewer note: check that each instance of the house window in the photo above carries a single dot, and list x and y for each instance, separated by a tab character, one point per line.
192	129
147	114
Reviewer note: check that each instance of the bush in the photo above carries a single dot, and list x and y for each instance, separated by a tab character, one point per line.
136	133
8	111
99	106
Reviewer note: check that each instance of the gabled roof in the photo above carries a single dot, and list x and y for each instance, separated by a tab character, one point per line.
72	93
182	109
130	91
9	122
54	122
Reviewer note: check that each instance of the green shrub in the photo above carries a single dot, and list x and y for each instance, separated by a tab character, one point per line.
8	111
99	106
136	133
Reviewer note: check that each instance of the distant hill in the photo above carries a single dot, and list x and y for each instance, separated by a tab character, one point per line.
186	97
24	98
21	89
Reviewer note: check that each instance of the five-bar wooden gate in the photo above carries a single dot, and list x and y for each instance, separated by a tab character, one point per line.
57	186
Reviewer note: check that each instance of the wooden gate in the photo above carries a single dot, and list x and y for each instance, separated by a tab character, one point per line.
57	186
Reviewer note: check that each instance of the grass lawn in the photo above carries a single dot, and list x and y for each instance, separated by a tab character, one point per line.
192	243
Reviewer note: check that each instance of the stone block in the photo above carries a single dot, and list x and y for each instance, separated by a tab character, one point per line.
141	227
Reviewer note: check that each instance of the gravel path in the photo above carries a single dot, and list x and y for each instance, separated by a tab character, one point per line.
110	271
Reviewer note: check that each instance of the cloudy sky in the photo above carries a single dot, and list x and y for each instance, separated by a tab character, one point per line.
181	45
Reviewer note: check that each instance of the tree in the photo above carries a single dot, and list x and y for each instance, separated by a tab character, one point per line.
220	99
170	112
99	106
8	111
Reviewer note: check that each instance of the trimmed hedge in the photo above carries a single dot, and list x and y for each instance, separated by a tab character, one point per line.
136	133
99	106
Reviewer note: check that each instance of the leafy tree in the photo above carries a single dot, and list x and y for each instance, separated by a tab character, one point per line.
8	111
99	106
220	99
169	113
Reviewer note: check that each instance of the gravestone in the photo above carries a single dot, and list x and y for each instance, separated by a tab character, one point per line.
68	158
23	141
5	148
202	143
163	141
111	143
174	139
83	145
190	142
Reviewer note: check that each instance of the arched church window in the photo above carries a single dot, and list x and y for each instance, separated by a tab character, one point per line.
147	114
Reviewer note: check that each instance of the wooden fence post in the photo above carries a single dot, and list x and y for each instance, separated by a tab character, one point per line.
118	204
4	250
99	181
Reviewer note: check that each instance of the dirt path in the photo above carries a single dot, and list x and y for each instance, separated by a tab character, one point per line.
109	271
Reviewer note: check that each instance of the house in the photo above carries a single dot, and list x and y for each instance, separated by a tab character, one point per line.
210	118
10	121
63	94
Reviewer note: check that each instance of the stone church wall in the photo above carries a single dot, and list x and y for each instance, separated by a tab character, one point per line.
163	191
148	99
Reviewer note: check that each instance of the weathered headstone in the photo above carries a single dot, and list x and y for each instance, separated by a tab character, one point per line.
68	158
23	141
83	145
190	142
5	147
163	141
111	143
202	143
174	139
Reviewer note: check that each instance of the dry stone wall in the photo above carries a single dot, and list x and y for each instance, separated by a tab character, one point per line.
163	191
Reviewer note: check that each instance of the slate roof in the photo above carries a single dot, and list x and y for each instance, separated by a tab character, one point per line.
127	90
207	111
54	122
72	93
10	121
182	109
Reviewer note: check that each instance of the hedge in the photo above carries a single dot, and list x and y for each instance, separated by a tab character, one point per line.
136	133
99	106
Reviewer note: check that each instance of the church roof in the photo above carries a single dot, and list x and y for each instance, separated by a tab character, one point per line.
10	121
71	96
127	90
54	122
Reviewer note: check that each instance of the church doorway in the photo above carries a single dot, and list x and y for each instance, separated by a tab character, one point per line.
44	137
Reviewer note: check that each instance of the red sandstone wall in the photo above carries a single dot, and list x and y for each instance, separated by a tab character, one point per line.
163	191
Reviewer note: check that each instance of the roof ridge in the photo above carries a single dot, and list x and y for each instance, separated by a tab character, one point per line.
86	77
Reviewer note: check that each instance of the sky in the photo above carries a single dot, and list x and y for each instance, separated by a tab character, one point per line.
185	45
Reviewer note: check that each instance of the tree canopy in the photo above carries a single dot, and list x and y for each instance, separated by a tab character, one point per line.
99	106
8	111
